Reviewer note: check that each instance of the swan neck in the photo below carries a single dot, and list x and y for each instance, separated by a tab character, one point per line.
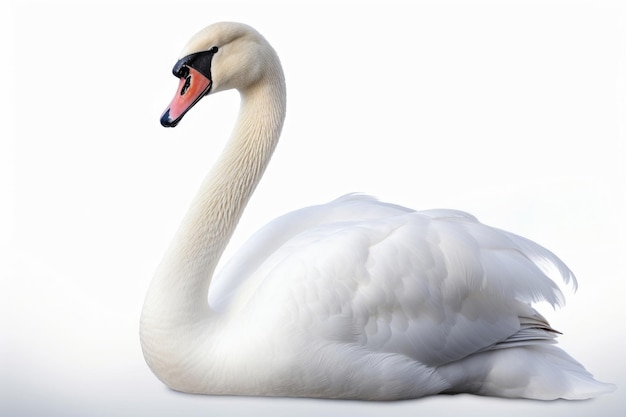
179	291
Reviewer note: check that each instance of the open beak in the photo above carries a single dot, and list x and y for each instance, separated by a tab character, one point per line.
192	87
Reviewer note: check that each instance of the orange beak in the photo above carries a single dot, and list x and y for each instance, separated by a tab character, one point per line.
192	87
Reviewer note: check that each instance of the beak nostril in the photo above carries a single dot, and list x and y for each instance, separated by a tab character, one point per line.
186	85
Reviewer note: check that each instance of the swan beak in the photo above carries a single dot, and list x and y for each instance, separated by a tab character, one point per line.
191	88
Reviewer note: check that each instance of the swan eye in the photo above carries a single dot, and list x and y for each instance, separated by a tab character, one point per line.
200	61
182	72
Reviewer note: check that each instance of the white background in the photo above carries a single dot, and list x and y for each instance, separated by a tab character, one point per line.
511	110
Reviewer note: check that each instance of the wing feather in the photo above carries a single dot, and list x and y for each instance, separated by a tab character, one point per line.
434	286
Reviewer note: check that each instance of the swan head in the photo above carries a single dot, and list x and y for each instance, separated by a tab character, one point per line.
220	57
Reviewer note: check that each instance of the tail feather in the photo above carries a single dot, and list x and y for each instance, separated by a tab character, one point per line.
540	371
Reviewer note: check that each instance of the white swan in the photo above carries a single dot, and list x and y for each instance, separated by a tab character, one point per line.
353	299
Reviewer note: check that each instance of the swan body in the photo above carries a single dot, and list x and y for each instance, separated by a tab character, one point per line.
353	299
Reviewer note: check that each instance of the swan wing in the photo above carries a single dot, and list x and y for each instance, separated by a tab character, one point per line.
434	286
267	240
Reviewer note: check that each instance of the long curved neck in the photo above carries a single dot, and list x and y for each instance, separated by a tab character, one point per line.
179	290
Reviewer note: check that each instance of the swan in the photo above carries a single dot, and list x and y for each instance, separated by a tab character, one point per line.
353	299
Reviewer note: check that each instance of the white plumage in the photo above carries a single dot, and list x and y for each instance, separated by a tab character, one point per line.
355	298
